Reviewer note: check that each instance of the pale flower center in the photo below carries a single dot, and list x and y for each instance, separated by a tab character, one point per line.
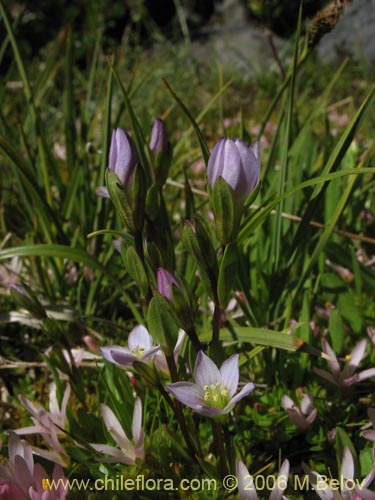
216	395
138	351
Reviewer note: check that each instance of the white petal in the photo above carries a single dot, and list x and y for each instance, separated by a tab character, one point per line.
246	488
347	465
187	393
230	374
243	393
307	404
115	429
355	358
205	370
137	420
282	480
287	402
332	361
139	337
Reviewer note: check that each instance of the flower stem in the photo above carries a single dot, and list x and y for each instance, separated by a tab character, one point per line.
216	324
178	408
219	445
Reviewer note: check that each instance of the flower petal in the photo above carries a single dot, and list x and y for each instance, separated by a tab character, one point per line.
347	465
117	455
282	479
370	435
355	358
317	482
137	420
205	370
307	404
243	393
332	359
215	162
139	337
150	353
287	402
365	374
118	355
246	488
230	374
115	429
250	170
187	393
327	376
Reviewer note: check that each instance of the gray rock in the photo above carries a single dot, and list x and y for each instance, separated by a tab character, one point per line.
354	34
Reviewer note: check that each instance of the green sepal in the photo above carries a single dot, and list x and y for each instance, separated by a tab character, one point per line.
29	302
153	202
182	305
146	371
136	269
223	206
139	193
162	323
196	239
189	198
227	274
162	162
253	195
119	199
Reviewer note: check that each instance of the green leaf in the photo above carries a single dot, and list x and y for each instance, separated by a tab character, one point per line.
202	142
57	251
223	206
342	440
332	281
136	270
259	336
349	310
161	323
336	330
120	200
227	274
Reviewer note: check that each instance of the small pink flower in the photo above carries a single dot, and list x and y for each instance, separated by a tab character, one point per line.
303	416
129	450
347	376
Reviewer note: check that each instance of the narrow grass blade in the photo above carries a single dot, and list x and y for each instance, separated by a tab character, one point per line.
202	142
332	165
278	223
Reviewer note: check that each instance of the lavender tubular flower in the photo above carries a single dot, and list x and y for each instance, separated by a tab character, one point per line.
123	158
158	141
237	164
161	150
213	393
165	282
233	172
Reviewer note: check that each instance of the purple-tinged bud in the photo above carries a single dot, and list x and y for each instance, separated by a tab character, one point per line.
237	164
123	156
159	140
165	282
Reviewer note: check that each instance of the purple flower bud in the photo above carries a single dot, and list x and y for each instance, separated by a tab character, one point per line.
123	156
159	140
165	282
237	164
